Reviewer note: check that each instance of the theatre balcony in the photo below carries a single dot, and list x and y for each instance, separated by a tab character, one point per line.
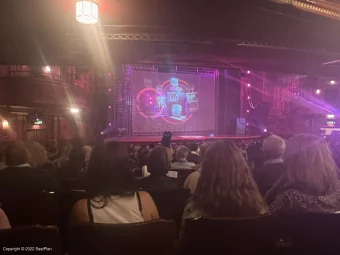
48	92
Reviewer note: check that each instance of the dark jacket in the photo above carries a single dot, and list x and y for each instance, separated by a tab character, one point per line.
267	175
18	180
194	158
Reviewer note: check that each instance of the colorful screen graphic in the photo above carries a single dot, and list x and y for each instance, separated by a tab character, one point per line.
175	102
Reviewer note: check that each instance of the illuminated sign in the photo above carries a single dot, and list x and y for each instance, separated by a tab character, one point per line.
38	122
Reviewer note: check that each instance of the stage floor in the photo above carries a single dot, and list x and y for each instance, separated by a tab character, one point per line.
156	139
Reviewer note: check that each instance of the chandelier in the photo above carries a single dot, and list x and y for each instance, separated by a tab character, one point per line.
87	12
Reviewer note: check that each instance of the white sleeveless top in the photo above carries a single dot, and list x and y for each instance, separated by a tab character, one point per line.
118	210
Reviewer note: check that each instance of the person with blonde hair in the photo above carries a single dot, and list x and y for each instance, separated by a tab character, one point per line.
38	153
181	157
225	187
311	183
266	176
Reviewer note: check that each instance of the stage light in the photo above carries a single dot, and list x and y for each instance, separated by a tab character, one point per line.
330	116
247	111
248	72
150	98
248	97
109	90
87	12
109	74
74	110
318	91
150	102
332	82
248	85
211	135
247	124
265	130
110	124
47	69
5	124
110	107
102	133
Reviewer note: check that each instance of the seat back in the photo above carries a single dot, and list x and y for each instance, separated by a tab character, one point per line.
232	236
293	234
154	237
31	209
182	174
34	240
309	234
170	202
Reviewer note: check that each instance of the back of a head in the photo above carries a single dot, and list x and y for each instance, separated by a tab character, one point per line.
310	166
255	155
193	147
38	153
273	147
109	172
225	187
159	161
16	154
181	152
142	156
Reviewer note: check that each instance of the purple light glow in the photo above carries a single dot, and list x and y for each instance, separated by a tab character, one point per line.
247	111
110	124
248	85
247	124
248	72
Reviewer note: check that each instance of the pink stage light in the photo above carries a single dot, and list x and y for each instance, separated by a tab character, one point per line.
109	106
109	74
110	124
150	98
247	111
318	91
248	97
248	85
150	102
109	90
247	124
248	72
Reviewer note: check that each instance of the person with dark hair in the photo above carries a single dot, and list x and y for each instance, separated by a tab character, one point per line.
225	187
192	179
193	155
142	157
158	165
310	183
115	198
255	156
20	177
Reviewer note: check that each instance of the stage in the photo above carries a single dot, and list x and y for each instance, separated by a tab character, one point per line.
196	138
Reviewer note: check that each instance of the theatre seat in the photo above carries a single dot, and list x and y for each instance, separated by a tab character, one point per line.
293	234
149	238
41	208
34	240
182	174
229	236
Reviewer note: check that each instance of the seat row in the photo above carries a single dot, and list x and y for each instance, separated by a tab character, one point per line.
296	234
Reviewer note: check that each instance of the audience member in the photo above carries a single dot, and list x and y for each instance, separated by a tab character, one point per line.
75	165
87	152
255	156
311	183
193	155
65	155
19	177
39	157
2	159
192	179
266	176
4	222
142	158
225	187
181	157
115	198
158	165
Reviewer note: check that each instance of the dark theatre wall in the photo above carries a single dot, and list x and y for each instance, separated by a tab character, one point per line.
229	100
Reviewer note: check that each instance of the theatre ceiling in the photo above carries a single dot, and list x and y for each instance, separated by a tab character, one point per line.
285	36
